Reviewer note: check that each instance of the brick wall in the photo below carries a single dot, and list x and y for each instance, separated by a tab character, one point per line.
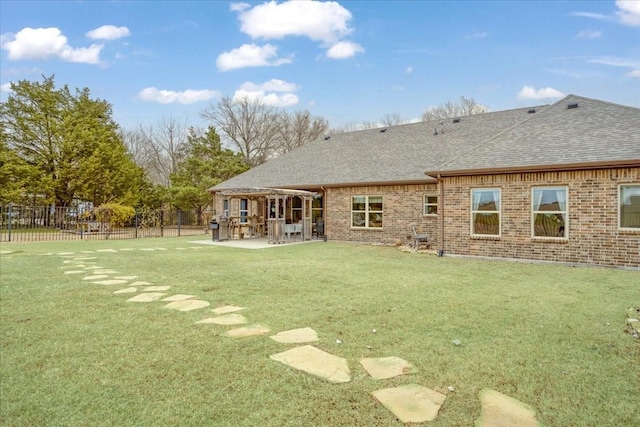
402	207
593	236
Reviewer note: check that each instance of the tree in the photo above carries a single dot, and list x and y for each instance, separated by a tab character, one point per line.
204	164
252	126
464	107
299	128
392	119
70	141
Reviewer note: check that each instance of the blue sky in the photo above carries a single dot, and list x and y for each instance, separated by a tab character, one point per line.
348	61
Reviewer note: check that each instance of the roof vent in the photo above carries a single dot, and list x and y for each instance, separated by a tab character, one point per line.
531	111
456	120
383	130
327	137
572	106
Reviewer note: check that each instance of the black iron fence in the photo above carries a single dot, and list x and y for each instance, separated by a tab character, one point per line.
21	223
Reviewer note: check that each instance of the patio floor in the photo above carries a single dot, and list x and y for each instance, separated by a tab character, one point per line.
253	243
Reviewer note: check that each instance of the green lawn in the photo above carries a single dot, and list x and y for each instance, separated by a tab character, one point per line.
73	353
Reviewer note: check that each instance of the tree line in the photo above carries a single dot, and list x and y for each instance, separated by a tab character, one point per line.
59	146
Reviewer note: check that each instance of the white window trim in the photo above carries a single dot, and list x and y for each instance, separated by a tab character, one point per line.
499	212
425	204
366	212
618	202
244	220
565	212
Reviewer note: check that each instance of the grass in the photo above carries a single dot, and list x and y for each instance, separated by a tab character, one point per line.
73	353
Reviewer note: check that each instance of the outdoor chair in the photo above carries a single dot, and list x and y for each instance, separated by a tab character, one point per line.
420	239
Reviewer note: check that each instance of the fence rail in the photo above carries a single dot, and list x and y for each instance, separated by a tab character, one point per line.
19	223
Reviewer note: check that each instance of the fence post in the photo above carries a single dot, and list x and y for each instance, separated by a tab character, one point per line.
9	216
135	223
161	223
179	221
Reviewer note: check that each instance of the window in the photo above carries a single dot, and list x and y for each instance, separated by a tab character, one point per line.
244	210
316	208
430	202
549	212
630	206
225	207
296	209
366	211
485	212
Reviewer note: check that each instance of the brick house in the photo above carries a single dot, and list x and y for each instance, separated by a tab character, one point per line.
553	183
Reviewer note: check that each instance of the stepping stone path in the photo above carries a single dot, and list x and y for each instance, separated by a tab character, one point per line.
247	331
187	305
382	368
316	362
296	336
412	403
178	297
227	309
499	410
228	319
147	297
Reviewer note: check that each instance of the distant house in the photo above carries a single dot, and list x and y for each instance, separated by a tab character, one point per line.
557	183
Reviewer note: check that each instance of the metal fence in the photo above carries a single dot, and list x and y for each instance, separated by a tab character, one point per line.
21	223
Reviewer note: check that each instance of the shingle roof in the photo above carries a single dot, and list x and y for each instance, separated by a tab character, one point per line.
554	137
593	134
399	155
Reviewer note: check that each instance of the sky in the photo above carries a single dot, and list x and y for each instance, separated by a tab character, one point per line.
347	61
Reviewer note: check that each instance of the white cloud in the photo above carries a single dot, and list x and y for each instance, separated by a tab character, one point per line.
528	92
6	87
634	73
479	35
408	70
326	22
344	49
46	43
239	7
616	62
320	21
108	32
277	93
589	34
250	55
188	96
629	12
590	15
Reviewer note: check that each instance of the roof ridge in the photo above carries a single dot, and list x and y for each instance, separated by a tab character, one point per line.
544	107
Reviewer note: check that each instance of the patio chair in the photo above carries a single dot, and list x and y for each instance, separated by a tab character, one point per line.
420	239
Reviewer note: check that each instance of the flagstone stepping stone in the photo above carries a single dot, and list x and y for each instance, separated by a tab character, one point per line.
187	305
500	410
382	368
152	288
95	277
227	309
74	272
296	336
126	277
106	250
316	362
147	249
126	291
104	271
178	297
247	331
87	252
110	282
65	253
84	258
140	283
126	249
229	319
147	297
5	252
411	403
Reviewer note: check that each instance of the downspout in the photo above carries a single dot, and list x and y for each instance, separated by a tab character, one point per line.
440	216
325	211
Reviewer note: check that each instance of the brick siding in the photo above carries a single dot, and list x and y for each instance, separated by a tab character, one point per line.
402	207
593	236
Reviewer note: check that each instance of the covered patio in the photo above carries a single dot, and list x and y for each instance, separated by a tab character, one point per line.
279	214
